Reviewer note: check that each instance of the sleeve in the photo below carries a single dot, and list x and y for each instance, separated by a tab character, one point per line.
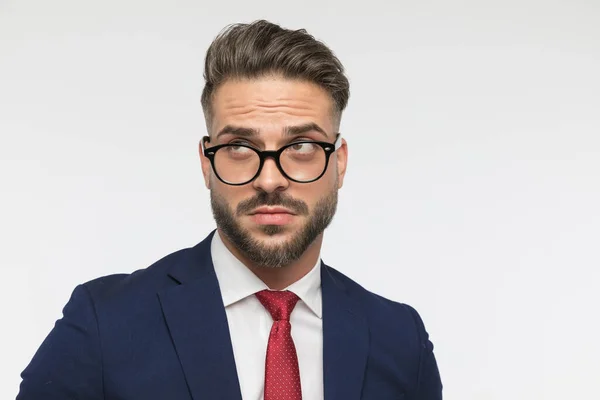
68	364
429	385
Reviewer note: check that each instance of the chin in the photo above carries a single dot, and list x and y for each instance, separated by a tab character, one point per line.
274	233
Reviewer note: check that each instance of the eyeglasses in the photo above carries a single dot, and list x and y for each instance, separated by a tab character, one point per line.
301	161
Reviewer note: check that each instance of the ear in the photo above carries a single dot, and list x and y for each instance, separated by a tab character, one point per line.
206	167
342	162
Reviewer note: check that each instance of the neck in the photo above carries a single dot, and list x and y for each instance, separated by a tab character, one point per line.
282	277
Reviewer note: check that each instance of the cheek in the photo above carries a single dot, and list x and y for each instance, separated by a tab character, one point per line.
317	191
229	194
215	183
329	180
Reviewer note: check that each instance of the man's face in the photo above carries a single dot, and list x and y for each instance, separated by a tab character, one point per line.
273	220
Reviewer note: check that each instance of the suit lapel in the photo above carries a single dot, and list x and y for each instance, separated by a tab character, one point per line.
345	341
197	322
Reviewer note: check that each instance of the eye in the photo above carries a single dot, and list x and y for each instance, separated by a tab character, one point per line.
237	153
303	148
241	145
240	142
238	149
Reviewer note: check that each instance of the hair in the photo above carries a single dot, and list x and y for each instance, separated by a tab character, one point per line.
262	48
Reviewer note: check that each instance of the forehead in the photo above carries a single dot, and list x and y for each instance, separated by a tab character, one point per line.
271	103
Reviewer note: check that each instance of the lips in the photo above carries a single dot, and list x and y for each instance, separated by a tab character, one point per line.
272	216
272	210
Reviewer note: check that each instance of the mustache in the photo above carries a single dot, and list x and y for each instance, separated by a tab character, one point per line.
272	199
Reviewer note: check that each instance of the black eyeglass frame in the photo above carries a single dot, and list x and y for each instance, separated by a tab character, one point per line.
329	148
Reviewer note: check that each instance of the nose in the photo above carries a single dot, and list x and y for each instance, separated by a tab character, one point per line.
270	178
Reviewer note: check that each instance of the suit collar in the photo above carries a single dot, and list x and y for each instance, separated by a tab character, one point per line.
195	264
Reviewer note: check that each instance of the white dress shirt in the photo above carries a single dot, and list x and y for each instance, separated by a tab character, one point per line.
250	324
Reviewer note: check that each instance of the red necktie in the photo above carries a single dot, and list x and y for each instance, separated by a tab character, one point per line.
282	375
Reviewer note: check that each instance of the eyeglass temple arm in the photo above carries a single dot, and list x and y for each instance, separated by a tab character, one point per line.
205	139
338	142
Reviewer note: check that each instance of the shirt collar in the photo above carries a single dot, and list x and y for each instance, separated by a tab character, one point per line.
237	282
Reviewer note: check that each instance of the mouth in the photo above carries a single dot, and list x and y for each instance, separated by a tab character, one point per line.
272	216
272	210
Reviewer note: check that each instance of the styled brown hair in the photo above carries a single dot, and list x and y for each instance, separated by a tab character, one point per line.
262	48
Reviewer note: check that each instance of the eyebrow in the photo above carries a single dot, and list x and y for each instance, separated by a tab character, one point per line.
300	129
238	131
288	130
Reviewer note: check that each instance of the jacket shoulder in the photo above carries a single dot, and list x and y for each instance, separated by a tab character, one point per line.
146	280
395	325
371	303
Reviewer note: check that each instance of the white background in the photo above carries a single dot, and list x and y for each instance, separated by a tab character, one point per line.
472	192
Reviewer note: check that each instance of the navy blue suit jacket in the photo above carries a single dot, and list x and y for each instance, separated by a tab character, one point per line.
162	333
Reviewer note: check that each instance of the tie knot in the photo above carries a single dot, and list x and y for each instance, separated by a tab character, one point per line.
279	304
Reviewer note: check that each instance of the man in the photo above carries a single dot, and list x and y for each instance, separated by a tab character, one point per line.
251	311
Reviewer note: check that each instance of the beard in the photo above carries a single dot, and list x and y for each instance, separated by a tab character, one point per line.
276	255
